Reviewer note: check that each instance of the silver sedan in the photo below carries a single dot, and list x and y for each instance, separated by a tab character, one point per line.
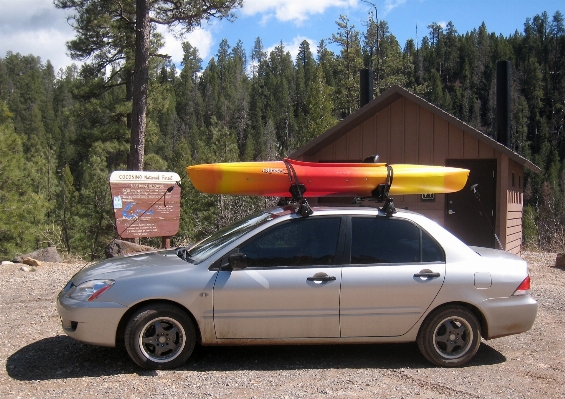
348	275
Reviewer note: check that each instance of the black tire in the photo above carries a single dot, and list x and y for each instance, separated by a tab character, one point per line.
450	336
160	336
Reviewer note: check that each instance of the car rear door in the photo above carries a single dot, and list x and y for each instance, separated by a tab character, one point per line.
395	270
290	287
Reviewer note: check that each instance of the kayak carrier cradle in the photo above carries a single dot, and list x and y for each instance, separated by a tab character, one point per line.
381	192
297	190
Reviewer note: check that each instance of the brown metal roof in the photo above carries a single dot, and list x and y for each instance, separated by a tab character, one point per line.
384	100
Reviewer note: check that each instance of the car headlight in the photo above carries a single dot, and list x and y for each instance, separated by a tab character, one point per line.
89	290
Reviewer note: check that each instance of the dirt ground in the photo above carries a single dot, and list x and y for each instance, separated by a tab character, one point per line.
39	361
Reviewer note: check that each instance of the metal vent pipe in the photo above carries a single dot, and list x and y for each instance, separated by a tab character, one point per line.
365	86
503	102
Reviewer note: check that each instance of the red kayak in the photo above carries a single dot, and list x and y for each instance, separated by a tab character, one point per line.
323	179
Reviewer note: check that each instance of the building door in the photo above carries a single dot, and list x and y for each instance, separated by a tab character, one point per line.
471	214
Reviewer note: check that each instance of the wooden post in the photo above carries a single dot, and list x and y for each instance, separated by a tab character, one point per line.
166	242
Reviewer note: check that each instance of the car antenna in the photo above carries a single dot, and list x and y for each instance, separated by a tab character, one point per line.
478	197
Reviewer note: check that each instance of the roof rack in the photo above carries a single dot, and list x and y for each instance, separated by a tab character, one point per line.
380	193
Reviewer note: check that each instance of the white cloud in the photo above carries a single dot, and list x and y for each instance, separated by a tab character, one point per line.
292	10
24	15
392	4
35	27
199	38
293	46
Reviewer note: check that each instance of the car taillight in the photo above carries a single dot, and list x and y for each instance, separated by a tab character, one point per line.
523	288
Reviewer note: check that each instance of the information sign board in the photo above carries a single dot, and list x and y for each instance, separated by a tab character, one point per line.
146	204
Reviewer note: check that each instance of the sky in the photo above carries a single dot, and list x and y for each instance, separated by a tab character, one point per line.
36	27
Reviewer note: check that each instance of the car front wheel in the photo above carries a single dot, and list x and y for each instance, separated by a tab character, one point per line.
450	337
160	336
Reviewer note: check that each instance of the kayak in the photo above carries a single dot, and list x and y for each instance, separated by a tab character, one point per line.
323	179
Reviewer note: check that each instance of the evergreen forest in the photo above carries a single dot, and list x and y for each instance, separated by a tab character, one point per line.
63	132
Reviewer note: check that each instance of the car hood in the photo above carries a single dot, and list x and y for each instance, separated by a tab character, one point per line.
145	263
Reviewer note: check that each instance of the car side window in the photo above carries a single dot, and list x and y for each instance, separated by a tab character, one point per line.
431	251
389	240
297	242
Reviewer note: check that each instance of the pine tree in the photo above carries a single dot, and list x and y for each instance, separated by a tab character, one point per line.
106	30
24	208
319	108
350	62
327	59
279	85
189	103
305	71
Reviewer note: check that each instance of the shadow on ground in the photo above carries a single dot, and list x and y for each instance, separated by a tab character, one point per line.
61	357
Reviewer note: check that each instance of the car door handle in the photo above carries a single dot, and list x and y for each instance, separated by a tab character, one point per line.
426	273
321	277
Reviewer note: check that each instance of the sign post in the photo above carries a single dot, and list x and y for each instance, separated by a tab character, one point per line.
146	204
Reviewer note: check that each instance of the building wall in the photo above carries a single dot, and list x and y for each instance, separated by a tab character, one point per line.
405	132
511	228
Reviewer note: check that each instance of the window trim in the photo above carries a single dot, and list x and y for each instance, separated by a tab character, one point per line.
339	256
349	245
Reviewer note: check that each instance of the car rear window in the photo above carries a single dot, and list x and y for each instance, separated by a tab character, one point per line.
389	240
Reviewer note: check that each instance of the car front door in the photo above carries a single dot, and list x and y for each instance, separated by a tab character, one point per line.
290	285
395	271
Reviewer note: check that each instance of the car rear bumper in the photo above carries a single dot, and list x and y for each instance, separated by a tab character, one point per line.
90	322
507	316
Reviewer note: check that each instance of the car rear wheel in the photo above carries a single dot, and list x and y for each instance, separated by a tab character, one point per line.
450	336
160	336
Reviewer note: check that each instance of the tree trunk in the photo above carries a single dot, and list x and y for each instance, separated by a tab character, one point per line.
140	83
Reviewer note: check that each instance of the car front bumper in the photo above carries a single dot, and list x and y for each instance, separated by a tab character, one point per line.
90	322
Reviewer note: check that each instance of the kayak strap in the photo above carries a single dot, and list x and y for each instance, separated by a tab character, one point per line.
382	190
297	190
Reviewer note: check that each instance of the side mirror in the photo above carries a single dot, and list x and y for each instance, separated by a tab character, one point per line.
237	261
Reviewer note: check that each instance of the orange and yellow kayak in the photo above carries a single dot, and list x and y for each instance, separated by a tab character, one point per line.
323	179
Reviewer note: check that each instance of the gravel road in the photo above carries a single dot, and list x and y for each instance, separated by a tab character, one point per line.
39	361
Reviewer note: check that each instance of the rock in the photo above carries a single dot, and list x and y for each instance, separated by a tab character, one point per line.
7	262
48	254
31	262
121	248
560	261
25	269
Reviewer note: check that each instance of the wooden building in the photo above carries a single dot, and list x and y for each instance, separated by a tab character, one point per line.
403	128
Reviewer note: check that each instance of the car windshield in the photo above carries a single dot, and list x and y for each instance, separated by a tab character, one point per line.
224	237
